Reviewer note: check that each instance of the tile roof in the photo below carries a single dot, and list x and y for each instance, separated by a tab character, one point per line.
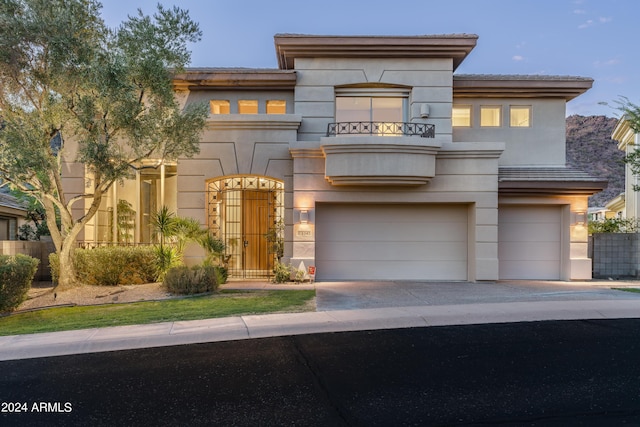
548	180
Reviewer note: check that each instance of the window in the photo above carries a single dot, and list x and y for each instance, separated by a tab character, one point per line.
519	116
218	106
369	109
246	106
276	107
461	116
490	116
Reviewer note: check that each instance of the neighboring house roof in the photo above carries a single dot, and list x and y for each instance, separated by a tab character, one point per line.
617	203
292	46
623	133
519	86
548	180
9	205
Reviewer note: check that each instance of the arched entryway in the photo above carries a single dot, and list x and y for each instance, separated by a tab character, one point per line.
245	212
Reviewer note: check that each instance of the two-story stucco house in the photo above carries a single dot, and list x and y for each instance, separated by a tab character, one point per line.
379	161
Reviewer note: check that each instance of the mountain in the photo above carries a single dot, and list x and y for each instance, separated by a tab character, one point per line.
591	149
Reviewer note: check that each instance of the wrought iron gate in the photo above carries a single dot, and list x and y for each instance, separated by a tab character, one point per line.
245	211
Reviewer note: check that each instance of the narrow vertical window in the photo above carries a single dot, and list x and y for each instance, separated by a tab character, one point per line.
275	106
219	106
461	116
519	116
490	116
248	106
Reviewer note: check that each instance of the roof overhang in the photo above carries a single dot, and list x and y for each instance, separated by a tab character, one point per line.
545	181
519	86
234	78
292	46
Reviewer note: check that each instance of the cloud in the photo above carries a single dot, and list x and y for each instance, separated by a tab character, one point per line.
517	58
590	22
606	63
579	11
586	24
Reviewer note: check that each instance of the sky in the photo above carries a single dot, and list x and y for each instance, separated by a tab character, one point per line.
586	38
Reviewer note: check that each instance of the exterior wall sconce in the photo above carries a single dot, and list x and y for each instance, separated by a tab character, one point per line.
581	218
304	217
424	111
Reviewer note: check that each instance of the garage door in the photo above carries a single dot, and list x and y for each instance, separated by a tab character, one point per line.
386	242
529	240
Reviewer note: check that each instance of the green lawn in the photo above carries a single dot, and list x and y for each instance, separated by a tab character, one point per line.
222	304
636	290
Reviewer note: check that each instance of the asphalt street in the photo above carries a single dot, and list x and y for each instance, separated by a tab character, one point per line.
581	372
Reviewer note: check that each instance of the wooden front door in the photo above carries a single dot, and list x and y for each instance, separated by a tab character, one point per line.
255	225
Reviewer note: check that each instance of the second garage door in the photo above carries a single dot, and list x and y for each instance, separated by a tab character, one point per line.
387	242
529	242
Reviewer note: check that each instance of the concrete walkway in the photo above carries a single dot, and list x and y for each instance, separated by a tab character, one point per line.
352	306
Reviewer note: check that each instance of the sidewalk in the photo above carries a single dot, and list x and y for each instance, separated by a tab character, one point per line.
534	305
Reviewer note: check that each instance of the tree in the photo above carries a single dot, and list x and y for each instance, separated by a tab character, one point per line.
73	89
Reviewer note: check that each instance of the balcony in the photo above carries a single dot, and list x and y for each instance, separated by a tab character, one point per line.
422	130
373	153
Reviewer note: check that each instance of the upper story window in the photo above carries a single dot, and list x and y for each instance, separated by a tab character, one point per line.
490	116
275	106
248	106
369	109
520	116
371	104
218	106
461	116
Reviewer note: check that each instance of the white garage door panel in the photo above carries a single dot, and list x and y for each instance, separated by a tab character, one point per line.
529	242
530	270
386	242
410	232
412	251
393	270
532	232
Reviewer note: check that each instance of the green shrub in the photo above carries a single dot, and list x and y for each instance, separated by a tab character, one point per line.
614	225
16	275
281	273
191	280
222	274
111	266
165	258
54	266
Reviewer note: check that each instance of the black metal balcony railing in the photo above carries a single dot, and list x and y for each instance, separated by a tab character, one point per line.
382	128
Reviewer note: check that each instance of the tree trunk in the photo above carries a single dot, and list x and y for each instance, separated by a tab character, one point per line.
67	275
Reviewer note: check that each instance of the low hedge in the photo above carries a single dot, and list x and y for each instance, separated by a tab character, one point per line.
16	276
111	266
192	280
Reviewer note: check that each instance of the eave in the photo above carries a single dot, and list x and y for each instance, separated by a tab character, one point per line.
292	46
545	181
519	86
235	78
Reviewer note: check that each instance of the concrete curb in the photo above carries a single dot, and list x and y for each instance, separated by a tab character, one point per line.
269	325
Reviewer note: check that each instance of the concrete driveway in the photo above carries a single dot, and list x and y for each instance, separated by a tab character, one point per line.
362	295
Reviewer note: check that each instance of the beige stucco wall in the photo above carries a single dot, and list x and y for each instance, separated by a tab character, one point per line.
430	80
541	144
465	174
238	144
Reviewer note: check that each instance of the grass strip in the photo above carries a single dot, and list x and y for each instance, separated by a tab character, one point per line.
635	290
222	304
